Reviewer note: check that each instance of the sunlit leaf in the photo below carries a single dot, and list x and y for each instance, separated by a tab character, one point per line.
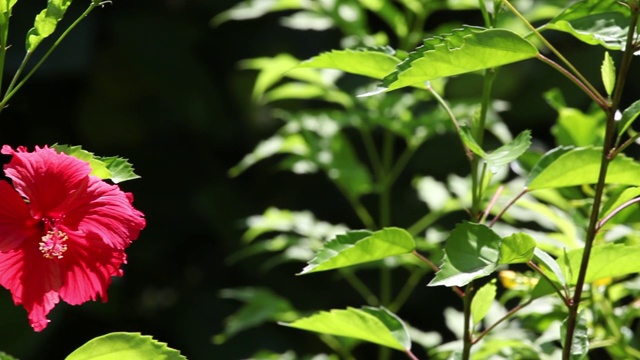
371	62
576	128
608	260
580	340
595	22
569	166
482	301
376	325
550	264
472	251
608	73
277	144
124	346
113	168
46	22
356	247
252	9
120	169
306	91
509	152
629	115
260	306
465	50
618	199
517	248
432	192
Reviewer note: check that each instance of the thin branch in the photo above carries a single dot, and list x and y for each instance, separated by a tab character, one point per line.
494	198
565	296
615	212
513	201
505	317
436	269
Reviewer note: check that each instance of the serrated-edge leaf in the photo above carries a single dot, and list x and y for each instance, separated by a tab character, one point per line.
361	246
517	248
120	168
570	166
580	342
372	62
590	21
608	73
46	22
509	152
124	346
629	115
472	251
470	141
482	301
361	324
464	50
98	167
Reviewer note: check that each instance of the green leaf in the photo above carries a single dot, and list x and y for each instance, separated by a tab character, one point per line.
390	14
5	356
46	22
356	247
465	50
371	62
432	192
608	260
472	251
467	137
628	117
569	166
305	91
120	169
618	199
376	325
517	248
252	9
550	264
580	340
608	73
482	301
595	22
260	306
576	128
111	168
507	153
124	346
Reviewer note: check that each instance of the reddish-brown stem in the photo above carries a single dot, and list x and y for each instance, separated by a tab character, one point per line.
513	201
505	317
491	204
436	268
565	296
614	212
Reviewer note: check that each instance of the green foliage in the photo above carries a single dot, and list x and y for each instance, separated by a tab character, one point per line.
46	22
357	247
112	168
517	248
5	356
371	62
608	73
629	115
608	260
580	342
482	301
376	325
124	346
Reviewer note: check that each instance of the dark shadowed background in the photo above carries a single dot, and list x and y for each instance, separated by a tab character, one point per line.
152	81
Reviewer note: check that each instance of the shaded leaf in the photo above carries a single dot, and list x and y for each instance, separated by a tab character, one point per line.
517	248
464	50
376	325
356	247
595	22
580	341
46	22
124	346
550	264
608	73
260	306
482	301
471	251
618	199
371	62
629	115
569	166
467	137
507	153
608	260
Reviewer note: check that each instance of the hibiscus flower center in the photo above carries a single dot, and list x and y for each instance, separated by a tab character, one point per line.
53	244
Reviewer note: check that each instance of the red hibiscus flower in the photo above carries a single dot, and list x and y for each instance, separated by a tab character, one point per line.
63	232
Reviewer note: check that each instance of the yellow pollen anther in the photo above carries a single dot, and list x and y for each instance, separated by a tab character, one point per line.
53	244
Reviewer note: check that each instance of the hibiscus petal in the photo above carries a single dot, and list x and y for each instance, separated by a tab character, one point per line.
48	179
33	281
15	222
106	212
87	268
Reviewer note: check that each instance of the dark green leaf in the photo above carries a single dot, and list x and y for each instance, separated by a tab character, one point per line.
482	301
465	50
376	325
46	22
608	73
467	137
507	153
628	117
618	199
260	306
124	346
517	248
390	14
356	247
580	340
595	22
569	166
471	251
375	63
